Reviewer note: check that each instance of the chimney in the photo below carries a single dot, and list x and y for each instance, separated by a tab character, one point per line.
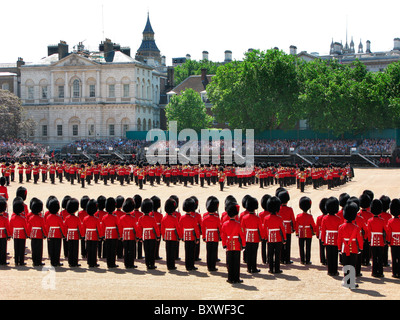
188	57
163	61
228	56
204	79
170	77
20	62
108	50
205	55
293	50
52	49
368	50
62	50
396	44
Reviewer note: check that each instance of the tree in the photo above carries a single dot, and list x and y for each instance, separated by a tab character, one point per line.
11	119
189	110
260	92
193	67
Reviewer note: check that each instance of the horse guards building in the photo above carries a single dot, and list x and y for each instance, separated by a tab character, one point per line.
82	94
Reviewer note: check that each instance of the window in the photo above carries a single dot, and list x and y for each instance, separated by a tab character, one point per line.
75	130
111	91
44	92
76	90
91	130
5	86
125	128
44	130
61	92
111	130
59	130
30	92
92	91
126	90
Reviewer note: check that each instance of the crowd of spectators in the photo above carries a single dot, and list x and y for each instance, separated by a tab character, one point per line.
20	147
377	146
124	146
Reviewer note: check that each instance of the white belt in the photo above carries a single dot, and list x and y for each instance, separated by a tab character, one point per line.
270	230
18	228
212	230
376	233
72	229
91	229
170	229
111	228
54	227
146	229
188	229
127	229
36	228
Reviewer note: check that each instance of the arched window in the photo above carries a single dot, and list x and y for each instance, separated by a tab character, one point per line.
76	88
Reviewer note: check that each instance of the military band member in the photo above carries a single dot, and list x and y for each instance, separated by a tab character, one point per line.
221	178
21	171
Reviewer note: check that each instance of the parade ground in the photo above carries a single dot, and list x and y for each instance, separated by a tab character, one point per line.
297	282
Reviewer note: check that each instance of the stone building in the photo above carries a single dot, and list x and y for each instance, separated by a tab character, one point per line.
90	95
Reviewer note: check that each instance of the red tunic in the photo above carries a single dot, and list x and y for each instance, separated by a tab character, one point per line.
91	228
128	227
55	226
274	229
349	238
305	225
329	229
147	228
376	229
232	236
211	227
393	231
5	230
170	228
73	227
189	228
252	227
18	227
36	227
109	224
287	214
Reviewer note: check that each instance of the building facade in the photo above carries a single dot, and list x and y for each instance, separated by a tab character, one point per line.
89	95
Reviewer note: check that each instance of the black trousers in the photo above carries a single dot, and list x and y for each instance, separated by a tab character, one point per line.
19	251
110	251
332	259
286	249
129	253
233	265
366	253
3	251
140	250
73	252
377	260
212	254
274	256
170	249
322	252
251	256
264	251
37	251
189	254
54	245
305	249
149	252
91	252
395	251
83	248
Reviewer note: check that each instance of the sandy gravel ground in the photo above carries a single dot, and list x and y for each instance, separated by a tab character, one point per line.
297	282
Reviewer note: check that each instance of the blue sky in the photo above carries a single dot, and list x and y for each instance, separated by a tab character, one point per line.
183	27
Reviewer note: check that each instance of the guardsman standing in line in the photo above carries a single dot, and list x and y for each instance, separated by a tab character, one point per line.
199	221
149	233
101	205
18	228
137	199
109	224
262	216
73	229
21	171
3	188
55	230
305	229
189	229
92	231
211	230
127	225
221	178
82	174
233	240
252	227
287	214
82	214
365	202
318	223
386	216
170	232
275	234
52	172
393	236
158	216
28	170
5	231
329	232
119	213
37	232
376	228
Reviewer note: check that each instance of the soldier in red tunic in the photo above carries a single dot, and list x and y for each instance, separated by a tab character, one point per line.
376	230
211	232
393	236
18	228
305	229
92	231
252	227
137	200
275	234
158	216
287	214
386	216
148	233
82	214
73	230
127	225
329	231
109	224
5	231
101	205
318	223
170	232
189	229
56	231
233	240
36	231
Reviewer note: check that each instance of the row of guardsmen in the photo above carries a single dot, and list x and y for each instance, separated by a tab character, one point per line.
264	174
363	229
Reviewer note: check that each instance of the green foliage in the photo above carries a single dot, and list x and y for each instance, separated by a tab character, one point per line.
193	67
11	123
189	110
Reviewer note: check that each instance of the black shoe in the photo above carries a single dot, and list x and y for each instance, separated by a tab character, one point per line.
173	268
